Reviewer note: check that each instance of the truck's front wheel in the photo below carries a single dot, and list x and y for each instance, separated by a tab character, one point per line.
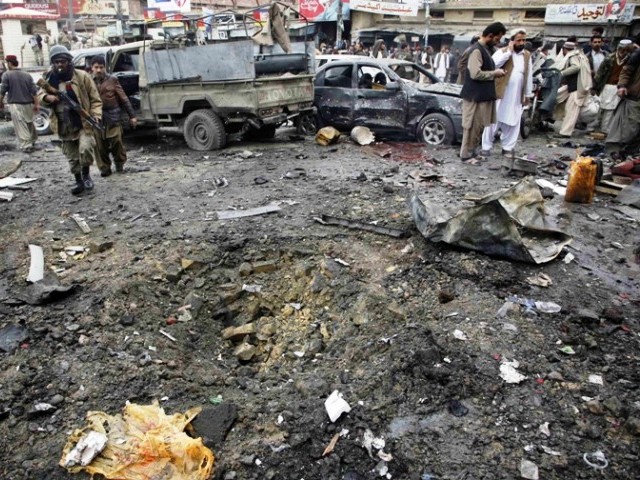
203	130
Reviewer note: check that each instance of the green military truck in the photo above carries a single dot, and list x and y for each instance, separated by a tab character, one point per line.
214	90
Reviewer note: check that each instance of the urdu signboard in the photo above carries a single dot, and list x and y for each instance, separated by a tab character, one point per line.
402	8
585	13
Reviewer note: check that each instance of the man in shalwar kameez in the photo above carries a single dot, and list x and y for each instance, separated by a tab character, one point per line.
513	91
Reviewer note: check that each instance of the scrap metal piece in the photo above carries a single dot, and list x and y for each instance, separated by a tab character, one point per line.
356	225
508	223
11	181
36	268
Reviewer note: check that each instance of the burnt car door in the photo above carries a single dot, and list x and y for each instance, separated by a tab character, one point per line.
381	102
334	95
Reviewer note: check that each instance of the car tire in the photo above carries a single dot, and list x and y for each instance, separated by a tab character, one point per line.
203	130
307	124
436	129
42	122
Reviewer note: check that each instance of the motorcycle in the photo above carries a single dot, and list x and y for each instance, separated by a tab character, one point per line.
531	117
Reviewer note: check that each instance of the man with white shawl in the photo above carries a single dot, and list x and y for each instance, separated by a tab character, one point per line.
441	64
576	74
513	91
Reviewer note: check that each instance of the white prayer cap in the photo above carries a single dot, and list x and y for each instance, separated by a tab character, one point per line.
624	43
517	31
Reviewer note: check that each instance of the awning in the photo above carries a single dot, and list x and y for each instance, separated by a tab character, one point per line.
20	13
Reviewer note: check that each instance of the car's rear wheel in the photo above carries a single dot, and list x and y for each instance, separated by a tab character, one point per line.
203	130
41	121
307	124
436	129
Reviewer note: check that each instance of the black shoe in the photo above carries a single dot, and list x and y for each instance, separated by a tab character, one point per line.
86	177
119	167
106	172
79	188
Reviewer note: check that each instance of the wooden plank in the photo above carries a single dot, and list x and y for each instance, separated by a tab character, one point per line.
608	191
81	223
250	212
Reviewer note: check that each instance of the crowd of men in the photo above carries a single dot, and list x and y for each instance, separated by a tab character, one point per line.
498	84
86	110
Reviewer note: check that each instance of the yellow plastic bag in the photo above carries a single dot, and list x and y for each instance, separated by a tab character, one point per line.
327	136
144	443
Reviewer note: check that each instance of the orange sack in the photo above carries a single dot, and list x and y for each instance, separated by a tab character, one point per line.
143	443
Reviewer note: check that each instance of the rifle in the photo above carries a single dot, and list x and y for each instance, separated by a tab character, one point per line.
75	106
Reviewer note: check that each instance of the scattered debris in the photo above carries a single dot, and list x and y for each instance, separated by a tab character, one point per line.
220	182
168	335
457	408
81	223
336	406
362	135
370	441
41	292
143	442
550	451
231	214
548	307
528	470
6	196
357	225
11	336
295	173
596	460
460	335
568	350
508	223
596	379
332	445
544	429
509	373
87	448
540	280
36	268
568	258
327	136
260	180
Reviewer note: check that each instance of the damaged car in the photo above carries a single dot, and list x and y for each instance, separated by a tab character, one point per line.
393	98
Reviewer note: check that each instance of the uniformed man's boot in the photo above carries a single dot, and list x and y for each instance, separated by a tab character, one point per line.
79	188
86	176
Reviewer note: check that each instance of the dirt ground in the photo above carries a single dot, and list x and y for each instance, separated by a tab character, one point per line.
369	315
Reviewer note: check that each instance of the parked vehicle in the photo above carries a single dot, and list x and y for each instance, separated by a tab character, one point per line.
428	112
189	87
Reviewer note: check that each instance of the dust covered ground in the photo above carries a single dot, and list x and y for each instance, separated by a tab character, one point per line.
369	315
